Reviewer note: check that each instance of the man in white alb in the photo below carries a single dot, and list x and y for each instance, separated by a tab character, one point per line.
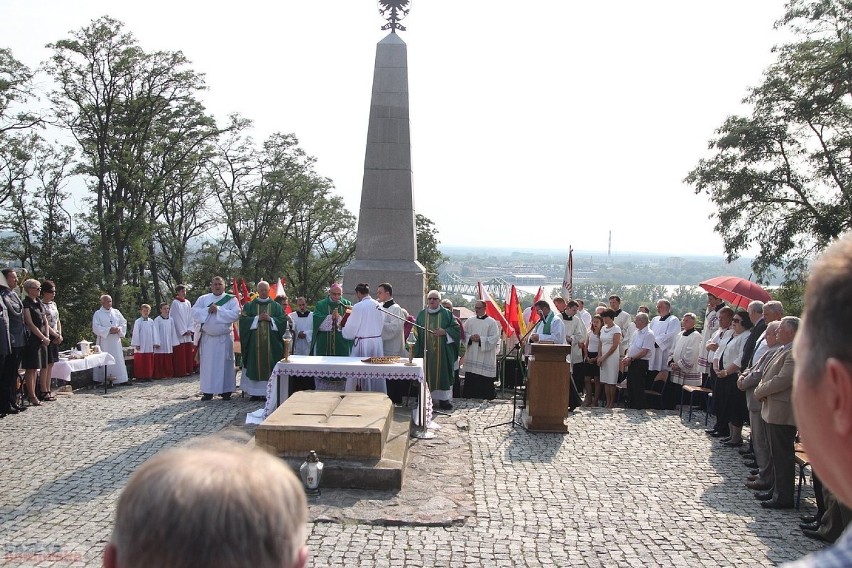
110	326
364	327
216	313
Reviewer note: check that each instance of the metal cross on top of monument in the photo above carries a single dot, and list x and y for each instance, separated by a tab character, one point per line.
394	11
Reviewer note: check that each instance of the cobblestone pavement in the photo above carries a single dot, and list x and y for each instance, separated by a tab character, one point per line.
624	488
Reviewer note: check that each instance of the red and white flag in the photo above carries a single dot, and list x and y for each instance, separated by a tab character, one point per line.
493	310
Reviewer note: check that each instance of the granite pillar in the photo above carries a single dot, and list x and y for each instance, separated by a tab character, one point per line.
386	249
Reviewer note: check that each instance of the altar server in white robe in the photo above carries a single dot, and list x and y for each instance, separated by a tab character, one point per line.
180	314
109	327
144	339
215	314
480	361
164	354
364	326
302	321
666	327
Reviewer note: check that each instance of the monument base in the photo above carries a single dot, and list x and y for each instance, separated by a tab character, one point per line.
342	428
408	278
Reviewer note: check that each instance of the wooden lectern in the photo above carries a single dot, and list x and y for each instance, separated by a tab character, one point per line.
548	388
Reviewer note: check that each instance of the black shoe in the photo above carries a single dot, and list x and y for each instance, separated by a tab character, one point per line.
749	457
763	496
720	435
445	405
809	526
19	407
206	396
810	519
256	398
773	504
732	444
9	410
226	396
710	431
813	534
754	471
751	465
745	451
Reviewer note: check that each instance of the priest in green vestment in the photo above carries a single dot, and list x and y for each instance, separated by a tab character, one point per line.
262	324
329	318
442	346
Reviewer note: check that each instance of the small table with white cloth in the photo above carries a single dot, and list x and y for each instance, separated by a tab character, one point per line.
278	386
63	368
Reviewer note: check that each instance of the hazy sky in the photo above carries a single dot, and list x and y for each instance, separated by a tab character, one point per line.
546	123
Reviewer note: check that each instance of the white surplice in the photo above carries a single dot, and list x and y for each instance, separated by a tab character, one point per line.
181	317
665	333
145	335
168	335
364	326
218	374
393	342
302	324
481	358
102	321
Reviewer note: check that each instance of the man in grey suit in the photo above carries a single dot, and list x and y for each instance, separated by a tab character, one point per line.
748	381
774	392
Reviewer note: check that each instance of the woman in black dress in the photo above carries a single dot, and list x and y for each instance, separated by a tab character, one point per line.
54	329
35	352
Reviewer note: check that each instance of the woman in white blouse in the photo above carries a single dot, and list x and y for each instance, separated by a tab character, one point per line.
727	368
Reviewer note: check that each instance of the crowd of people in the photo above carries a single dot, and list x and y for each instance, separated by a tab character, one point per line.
744	356
30	333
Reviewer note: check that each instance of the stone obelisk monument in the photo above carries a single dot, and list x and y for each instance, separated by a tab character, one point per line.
386	249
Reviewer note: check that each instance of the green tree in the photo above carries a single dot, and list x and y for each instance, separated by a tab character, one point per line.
17	124
125	108
281	217
779	178
428	252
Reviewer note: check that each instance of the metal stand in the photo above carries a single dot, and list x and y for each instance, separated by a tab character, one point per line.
422	431
520	359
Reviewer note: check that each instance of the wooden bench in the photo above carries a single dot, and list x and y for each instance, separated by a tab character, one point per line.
692	390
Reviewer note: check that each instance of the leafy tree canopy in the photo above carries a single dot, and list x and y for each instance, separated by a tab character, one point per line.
779	178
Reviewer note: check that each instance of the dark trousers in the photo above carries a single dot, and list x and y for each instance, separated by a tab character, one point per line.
782	440
636	373
9	376
478	386
722	396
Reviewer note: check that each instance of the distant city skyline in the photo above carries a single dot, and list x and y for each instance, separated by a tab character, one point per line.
526	124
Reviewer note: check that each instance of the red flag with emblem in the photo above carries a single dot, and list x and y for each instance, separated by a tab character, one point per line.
493	310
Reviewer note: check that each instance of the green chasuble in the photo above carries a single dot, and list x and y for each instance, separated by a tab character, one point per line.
262	347
442	356
329	342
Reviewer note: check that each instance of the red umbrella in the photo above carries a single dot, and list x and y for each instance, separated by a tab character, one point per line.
735	290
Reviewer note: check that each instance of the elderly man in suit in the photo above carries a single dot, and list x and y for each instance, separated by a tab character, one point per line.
774	391
748	381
